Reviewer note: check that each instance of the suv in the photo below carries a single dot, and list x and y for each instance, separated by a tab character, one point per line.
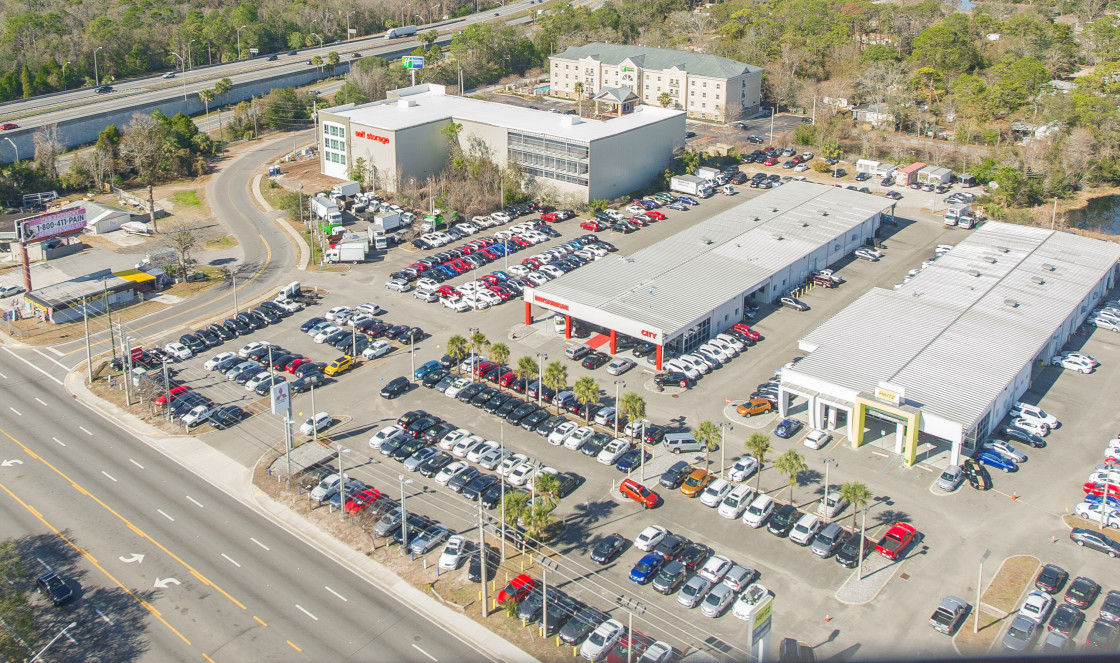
754	406
102	89
674	476
52	584
639	493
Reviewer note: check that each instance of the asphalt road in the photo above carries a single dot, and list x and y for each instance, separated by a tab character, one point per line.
216	581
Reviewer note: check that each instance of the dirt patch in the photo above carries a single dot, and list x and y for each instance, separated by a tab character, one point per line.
1012	578
1077	521
975	645
304	171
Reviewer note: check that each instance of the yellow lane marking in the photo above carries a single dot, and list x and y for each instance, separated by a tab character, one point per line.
147	606
207	657
203	579
259	620
293	646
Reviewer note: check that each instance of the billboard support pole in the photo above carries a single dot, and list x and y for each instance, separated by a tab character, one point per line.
89	357
109	317
26	265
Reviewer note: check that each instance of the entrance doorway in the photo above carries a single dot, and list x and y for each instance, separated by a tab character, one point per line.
881	432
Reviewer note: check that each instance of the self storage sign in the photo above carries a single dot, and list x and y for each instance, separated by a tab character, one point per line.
56	223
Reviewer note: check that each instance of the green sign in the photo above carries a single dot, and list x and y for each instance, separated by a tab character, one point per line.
412	62
626	68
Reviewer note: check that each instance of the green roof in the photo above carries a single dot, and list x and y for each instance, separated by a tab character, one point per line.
647	57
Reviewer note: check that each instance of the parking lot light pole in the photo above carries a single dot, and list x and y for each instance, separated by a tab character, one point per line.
723	446
1104	499
631	606
412	351
471	332
616	408
314	428
547	564
979	582
827	462
541	356
341	481
404	513
642	446
53	640
502	489
482	557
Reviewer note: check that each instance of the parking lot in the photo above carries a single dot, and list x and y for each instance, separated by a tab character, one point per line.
944	560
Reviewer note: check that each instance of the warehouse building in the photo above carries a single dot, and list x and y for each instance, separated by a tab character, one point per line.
926	371
706	86
685	289
582	159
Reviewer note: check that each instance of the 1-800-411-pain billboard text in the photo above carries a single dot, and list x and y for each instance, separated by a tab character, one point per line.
56	223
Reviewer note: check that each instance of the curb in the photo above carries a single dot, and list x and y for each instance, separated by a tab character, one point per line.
304	251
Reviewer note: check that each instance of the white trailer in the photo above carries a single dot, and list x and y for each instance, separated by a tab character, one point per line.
396	33
707	173
691	185
346	252
346	189
388	221
325	209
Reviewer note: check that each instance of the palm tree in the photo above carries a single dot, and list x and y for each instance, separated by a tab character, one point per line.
526	368
556	378
457	348
586	390
547	486
632	405
537	519
499	354
476	345
510	608
858	495
758	445
707	433
578	89
515	503
791	464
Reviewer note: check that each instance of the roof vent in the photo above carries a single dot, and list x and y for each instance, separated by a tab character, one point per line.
778	236
804	224
975	273
1038	280
824	212
705	240
405	102
757	218
990	259
1011	302
1048	267
774	209
1003	249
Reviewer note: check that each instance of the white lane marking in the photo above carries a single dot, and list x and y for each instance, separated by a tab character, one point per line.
33	366
196	502
104	617
83	429
165	515
135	463
417	647
59	441
40	353
304	611
259	543
108	475
45	565
336	594
3	376
41	402
57	352
15	410
230	560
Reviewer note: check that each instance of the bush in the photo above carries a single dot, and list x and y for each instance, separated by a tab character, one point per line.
820	166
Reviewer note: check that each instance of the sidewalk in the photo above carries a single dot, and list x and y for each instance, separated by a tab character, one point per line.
235	480
278	218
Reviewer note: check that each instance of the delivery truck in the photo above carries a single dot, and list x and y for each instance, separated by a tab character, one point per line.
388	221
325	210
691	185
346	189
346	252
397	33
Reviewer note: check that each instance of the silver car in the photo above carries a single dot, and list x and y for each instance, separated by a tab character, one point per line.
717	600
620	366
950	478
1021	635
693	592
429	539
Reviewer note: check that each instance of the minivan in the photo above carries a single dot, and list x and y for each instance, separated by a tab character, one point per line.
681	442
577	352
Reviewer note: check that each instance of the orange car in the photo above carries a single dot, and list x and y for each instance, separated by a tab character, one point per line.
754	406
696	482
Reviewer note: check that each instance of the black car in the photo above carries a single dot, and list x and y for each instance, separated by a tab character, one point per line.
236	327
483	397
783	520
432	379
226	365
520	412
271	317
305	383
670	578
195	345
493	495
1066	620
309	368
672	379
54	587
848	553
480	484
496	402
608	548
402	453
437	432
534	419
433	465
671	546
1051	579
251	321
248	374
595	360
221	331
1110	609
593	446
460	480
396	387
493	558
446	382
470	391
264	387
1082	592
208	337
545	428
558	610
421	425
1016	434
673	477
581	624
1103	637
694	555
395	442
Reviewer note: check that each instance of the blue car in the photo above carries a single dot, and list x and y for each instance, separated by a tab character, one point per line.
631	460
688	201
646	567
787	428
305	327
997	461
427	367
501	276
1096	499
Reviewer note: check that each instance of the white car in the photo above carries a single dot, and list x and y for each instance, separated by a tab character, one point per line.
648	539
455	303
252	383
198	415
490	459
475	454
634	428
605	417
1093	512
213	362
658	652
636	209
500	217
613	451
578	438
1083	357
316	423
722	354
178	351
1006	450
338	313
379	438
759	510
491	298
456	387
715	568
357	318
817	439
378	348
327	331
289	305
703	358
466	445
474	301
510	463
330	481
736	502
1071	364
519	270
801	167
806	528
745	604
400	285
743	469
1037	607
715	492
451	439
864	254
450	471
454	552
1103	323
1020	409
602	640
471	287
1031	426
522	474
728	349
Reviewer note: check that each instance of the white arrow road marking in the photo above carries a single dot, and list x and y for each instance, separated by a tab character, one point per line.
304	611
163	584
134	557
336	594
230	560
9	463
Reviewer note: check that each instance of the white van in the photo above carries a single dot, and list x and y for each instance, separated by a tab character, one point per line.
577	352
681	442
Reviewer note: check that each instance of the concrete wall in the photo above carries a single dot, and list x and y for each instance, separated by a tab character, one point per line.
629	161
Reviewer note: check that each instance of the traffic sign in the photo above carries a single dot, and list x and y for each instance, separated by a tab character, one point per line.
137	353
412	62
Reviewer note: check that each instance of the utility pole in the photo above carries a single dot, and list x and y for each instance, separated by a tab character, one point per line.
772	110
827	462
166	388
616	408
314	428
89	357
482	557
502	490
979	583
1054	214
109	317
341	482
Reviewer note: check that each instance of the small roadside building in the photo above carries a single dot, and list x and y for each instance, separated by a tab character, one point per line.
909	175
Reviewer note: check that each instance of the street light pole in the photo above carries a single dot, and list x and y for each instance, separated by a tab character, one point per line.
96	78
616	408
472	331
239	41
189	62
404	513
827	462
184	63
541	356
53	640
979	582
862	543
502	489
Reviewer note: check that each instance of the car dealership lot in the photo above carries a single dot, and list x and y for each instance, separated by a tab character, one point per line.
952	536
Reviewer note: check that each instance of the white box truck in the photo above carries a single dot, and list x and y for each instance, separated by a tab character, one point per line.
346	189
377	238
397	33
325	209
387	221
691	185
708	173
346	252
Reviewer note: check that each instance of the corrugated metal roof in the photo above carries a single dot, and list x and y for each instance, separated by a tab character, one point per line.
678	280
648	57
960	331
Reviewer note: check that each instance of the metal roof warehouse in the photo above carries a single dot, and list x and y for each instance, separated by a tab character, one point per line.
948	353
685	289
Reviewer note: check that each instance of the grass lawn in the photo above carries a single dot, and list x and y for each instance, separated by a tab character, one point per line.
977	644
225	242
1010	581
186	198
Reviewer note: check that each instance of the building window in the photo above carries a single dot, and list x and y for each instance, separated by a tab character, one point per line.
704	95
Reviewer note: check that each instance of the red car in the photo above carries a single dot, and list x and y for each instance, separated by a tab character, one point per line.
8	125
638	221
1099	488
174	392
419	266
549	216
483	367
770	161
520	242
490	279
447	291
593	225
746	330
639	493
507	379
362	499
517	589
655	215
896	540
295	363
498	290
490	254
535	262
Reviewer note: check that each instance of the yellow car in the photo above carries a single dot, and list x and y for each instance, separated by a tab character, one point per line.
339	365
696	482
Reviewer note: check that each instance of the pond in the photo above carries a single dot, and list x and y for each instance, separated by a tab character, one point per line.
1101	215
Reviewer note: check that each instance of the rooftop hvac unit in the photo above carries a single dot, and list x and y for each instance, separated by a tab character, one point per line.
1003	249
975	273
1011	302
1038	280
1048	267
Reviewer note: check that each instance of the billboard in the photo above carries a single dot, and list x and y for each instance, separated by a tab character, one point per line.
56	223
412	62
281	398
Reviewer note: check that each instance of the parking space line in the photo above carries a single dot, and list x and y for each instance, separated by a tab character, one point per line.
259	620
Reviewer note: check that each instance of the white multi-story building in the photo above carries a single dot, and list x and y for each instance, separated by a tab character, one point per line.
705	86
